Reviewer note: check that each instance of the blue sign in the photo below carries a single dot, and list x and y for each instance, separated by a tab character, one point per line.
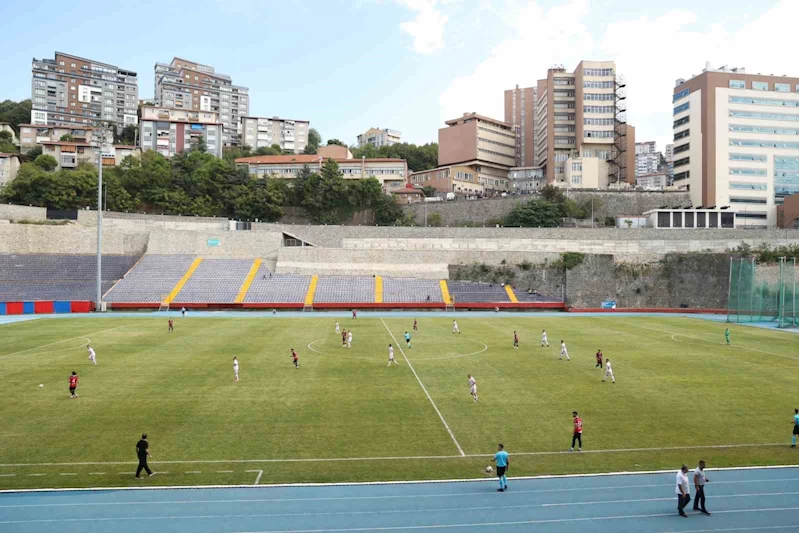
196	126
608	304
213	242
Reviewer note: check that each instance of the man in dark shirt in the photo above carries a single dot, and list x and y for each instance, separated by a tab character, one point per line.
143	451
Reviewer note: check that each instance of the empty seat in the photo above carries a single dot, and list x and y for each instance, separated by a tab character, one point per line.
411	290
151	280
215	281
465	291
268	287
345	289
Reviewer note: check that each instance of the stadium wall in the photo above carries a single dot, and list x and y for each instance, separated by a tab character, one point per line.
232	244
71	239
22	212
489	211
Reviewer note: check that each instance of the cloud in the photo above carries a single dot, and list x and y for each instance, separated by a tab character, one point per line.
427	29
651	52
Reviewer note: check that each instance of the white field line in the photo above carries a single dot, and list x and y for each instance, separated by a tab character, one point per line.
258	477
446	426
734	346
422	482
406	458
730	529
58	342
723	496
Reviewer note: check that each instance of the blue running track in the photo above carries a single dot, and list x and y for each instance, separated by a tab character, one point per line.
740	500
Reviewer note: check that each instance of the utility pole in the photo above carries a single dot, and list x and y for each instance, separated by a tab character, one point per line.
99	301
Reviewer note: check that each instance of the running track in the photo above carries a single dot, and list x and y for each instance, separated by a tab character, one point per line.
740	500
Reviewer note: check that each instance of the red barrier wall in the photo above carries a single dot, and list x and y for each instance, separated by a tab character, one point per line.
14	308
81	307
43	307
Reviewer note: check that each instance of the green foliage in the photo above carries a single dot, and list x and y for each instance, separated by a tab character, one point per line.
15	113
67	137
534	214
610	222
429	191
6	136
434	219
525	265
126	135
46	162
32	154
422	157
314	140
336	142
572	259
550	193
765	254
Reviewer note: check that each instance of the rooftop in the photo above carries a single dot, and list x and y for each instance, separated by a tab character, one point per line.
307	159
472	116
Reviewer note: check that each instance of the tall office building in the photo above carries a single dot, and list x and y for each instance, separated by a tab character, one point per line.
520	107
171	131
581	137
184	84
71	90
378	137
736	144
647	158
669	157
260	132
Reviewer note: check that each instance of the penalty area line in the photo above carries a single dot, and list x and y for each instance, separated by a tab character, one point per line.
440	416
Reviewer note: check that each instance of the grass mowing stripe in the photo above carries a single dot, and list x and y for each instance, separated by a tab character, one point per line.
452	435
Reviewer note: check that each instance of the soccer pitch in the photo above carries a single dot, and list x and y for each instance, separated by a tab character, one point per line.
681	394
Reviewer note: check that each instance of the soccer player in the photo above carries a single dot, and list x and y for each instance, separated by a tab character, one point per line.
727	336
354	314
183	311
171	325
73	384
235	369
608	372
391	356
415	326
544	341
455	328
515	340
143	452
295	358
343	337
795	427
473	388
503	462
349	339
563	351
92	355
338	329
408	339
598	359
577	436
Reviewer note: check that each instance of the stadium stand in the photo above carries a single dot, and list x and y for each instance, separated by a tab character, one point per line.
345	289
277	288
410	290
151	279
464	291
58	277
215	281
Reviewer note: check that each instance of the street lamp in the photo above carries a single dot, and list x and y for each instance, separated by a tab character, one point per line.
99	145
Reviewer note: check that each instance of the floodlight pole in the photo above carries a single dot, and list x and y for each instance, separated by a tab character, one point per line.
99	297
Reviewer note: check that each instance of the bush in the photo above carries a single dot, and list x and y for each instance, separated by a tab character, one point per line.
572	259
610	222
435	219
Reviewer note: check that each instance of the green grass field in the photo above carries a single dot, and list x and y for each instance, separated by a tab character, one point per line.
678	385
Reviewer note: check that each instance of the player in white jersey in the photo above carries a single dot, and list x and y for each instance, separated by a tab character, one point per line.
608	372
544	341
338	329
391	356
349	339
455	327
564	351
92	355
235	369
473	388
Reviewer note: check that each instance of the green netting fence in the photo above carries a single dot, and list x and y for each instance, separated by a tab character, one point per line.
763	300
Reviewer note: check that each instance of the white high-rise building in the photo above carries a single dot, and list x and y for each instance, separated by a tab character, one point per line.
647	158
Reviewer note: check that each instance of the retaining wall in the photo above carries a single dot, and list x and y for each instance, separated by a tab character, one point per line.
72	239
215	244
22	212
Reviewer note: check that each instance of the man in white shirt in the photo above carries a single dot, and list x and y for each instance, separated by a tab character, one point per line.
564	351
338	329
92	355
455	327
235	369
473	388
349	339
683	491
699	485
608	371
391	356
544	341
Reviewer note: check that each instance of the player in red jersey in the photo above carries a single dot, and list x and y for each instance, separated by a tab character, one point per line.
598	359
171	325
578	432
354	314
415	325
73	384
295	358
343	337
515	340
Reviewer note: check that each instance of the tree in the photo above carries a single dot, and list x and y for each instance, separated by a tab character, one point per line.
126	135
429	191
67	138
271	150
419	158
46	162
331	142
314	140
7	145
534	214
15	113
6	136
550	193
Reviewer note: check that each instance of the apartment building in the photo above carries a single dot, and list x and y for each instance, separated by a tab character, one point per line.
70	90
9	165
191	86
736	141
33	135
647	158
391	173
5	126
520	105
378	137
669	156
290	135
653	181
485	144
169	131
68	154
526	180
580	137
458	179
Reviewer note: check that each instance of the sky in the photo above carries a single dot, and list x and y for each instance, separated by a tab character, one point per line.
407	65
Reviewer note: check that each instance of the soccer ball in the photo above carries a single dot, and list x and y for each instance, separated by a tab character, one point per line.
489	470
41	385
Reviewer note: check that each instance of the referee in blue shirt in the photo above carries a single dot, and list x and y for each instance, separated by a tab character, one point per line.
503	461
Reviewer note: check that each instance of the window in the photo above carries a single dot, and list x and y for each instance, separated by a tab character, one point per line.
737	84
727	220
714	220
689	219
680	95
598	121
598	72
676	218
782	87
682	121
682	148
760	86
748	172
763	129
577	179
607	97
598	84
764	101
683	134
664	219
577	166
747	186
680	108
682	175
748	157
599	109
745	200
681	162
599	134
765	116
561	157
764	144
